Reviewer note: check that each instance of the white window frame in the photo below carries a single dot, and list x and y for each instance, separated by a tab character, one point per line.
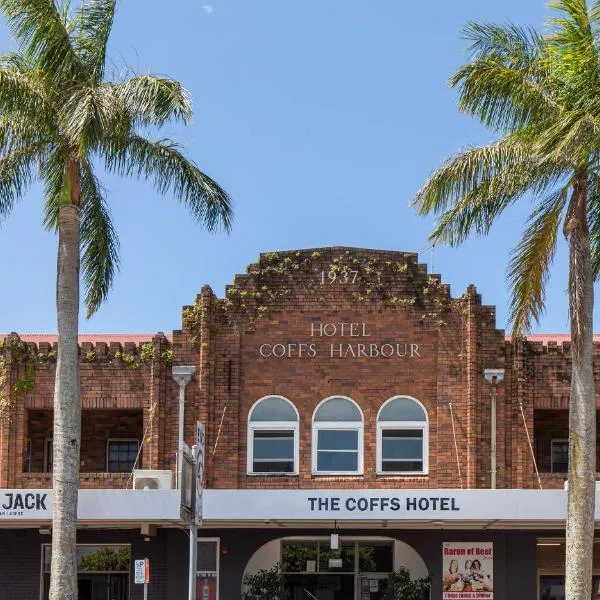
552	442
293	426
423	425
339	426
109	441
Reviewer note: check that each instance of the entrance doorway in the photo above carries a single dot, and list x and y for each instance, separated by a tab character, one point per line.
357	570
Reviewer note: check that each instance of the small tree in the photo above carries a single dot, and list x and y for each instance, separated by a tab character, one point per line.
400	586
266	584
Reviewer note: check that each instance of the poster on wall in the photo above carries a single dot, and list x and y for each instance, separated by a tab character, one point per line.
468	570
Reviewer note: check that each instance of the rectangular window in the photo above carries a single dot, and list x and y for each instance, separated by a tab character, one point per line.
48	456
337	450
560	456
273	451
102	571
121	455
402	450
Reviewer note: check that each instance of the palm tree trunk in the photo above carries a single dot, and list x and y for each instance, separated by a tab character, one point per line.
67	401
582	412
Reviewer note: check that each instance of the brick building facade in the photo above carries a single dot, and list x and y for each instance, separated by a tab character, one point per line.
308	333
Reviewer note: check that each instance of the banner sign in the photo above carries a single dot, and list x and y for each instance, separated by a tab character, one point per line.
93	505
396	505
468	570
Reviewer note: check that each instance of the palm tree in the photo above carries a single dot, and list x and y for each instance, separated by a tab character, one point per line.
540	94
60	117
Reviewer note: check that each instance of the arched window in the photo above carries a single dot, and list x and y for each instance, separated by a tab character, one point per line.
402	437
337	437
273	437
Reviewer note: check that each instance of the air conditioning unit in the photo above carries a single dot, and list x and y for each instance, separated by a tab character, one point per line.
146	479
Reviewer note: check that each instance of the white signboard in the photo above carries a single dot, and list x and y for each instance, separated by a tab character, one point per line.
142	571
94	505
468	570
410	505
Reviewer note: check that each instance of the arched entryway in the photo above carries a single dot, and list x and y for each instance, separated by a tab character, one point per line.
357	570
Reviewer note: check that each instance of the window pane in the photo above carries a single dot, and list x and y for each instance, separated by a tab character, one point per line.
398	466
96	558
266	466
402	409
401	448
345	553
552	587
337	461
337	439
295	555
338	409
376	557
560	456
121	456
273	409
207	555
273	448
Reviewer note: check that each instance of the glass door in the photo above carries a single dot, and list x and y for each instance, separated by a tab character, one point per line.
356	571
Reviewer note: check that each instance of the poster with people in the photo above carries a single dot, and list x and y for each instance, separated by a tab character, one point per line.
468	571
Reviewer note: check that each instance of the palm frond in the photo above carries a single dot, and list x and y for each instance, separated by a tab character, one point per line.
531	260
94	24
574	135
22	93
52	173
153	100
517	46
16	174
594	223
573	53
461	175
163	162
506	83
42	34
99	242
91	113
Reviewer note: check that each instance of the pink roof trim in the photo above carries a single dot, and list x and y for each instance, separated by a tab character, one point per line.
51	338
544	338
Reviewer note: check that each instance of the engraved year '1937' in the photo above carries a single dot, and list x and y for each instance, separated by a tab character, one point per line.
331	277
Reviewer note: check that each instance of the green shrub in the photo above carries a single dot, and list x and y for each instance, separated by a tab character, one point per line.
400	586
264	585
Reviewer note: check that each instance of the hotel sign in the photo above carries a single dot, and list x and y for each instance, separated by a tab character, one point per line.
358	343
395	505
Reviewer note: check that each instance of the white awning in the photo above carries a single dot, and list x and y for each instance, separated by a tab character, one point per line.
434	508
25	506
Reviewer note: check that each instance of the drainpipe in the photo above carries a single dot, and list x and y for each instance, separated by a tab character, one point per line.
182	376
493	377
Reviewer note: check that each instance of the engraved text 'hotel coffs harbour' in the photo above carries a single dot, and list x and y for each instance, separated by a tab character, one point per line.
366	348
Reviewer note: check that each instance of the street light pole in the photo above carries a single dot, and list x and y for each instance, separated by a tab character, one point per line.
493	377
182	376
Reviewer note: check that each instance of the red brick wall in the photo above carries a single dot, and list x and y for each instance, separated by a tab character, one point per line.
275	302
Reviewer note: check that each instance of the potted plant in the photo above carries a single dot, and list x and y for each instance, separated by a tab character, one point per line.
400	586
265	584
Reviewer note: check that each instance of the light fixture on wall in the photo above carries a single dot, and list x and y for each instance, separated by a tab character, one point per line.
334	539
45	531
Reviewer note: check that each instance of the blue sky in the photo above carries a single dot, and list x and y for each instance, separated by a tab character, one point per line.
320	117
